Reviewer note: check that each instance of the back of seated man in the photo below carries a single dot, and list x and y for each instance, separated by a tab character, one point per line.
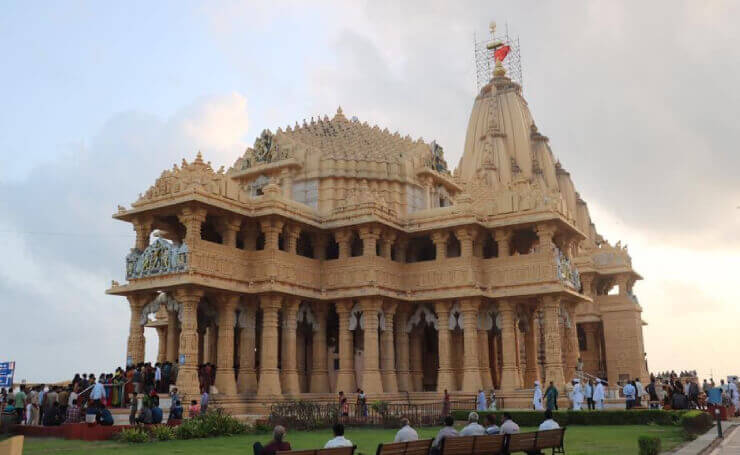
145	416
339	440
278	443
175	411
447	431
406	433
473	428
549	423
491	427
509	426
51	415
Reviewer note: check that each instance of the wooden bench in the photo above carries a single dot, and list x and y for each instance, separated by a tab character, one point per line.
536	441
405	448
474	445
333	451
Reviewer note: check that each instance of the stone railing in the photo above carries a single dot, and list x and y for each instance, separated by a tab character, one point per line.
159	258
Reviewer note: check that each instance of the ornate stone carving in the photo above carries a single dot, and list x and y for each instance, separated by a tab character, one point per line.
159	258
436	159
567	272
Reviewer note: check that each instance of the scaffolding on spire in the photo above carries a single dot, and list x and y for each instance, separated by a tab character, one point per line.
485	60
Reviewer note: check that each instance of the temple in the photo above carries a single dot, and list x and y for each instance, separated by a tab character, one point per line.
335	255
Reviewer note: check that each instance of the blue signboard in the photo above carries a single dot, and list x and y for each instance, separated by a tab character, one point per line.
6	374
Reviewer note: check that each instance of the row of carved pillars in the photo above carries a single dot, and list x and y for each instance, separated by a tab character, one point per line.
393	358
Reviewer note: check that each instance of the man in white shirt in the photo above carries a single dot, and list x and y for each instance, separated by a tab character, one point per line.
406	433
629	394
537	398
577	396
473	428
339	439
639	392
509	426
599	394
481	401
98	393
549	423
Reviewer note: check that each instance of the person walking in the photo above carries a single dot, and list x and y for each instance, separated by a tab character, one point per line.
629	391
599	395
588	391
551	397
481	400
537	397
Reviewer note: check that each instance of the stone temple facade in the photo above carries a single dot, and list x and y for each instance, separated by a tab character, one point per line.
335	255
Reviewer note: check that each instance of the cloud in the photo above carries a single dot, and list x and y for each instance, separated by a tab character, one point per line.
61	248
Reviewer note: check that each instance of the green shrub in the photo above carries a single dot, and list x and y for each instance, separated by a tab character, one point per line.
649	445
134	435
695	423
216	423
162	432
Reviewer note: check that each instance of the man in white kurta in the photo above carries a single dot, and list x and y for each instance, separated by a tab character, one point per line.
577	395
537	398
481	402
599	394
734	393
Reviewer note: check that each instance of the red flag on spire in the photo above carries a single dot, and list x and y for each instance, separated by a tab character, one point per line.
501	53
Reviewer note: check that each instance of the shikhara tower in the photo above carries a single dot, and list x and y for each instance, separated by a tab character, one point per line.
334	255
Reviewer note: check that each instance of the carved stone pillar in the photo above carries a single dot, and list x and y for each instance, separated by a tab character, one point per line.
343	238
440	243
471	369
371	381
286	180
225	381
510	377
249	233
209	344
192	217
387	243
269	380
479	243
369	236
187	376
587	283
289	370
444	373
553	353
572	352
247	380
401	247
162	345
465	236
292	232
545	233
402	350
172	336
319	241
531	346
416	358
143	228
503	241
387	353
229	227
484	360
346	373
320	367
272	229
136	346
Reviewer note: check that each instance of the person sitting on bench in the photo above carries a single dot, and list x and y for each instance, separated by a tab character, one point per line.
509	426
473	428
447	431
277	444
549	423
406	433
491	427
339	439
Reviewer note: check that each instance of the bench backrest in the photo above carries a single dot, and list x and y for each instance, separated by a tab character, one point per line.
548	439
405	448
333	451
522	442
471	445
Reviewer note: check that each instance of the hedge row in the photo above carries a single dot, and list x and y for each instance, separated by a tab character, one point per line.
693	421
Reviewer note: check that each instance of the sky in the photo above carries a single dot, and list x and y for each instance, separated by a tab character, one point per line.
639	100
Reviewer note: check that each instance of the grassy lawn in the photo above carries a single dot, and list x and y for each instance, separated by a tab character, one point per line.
578	440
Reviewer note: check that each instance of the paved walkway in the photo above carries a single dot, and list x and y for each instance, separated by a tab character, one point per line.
730	446
701	443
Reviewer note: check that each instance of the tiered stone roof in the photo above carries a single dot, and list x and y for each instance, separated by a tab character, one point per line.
344	139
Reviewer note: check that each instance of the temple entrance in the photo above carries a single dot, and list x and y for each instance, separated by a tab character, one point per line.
430	360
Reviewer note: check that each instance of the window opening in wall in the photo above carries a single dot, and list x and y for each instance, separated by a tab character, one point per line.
524	241
421	249
356	247
453	246
304	246
582	341
281	242
332	248
490	247
208	231
260	243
